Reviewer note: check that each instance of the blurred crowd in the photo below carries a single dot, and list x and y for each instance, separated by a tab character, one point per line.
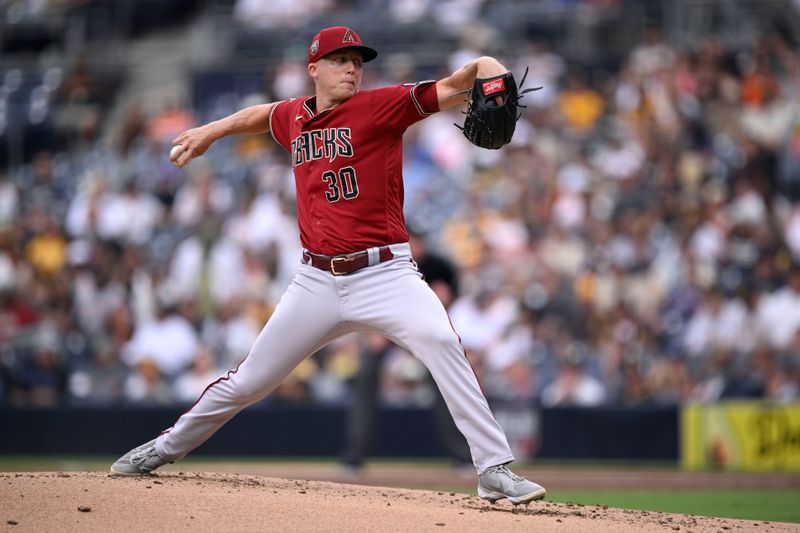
638	243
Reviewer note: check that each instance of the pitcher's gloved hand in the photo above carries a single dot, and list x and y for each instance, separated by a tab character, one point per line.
492	110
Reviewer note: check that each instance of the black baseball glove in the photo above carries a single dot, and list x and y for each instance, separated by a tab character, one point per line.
489	124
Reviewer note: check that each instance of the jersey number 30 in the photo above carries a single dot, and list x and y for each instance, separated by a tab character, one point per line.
341	185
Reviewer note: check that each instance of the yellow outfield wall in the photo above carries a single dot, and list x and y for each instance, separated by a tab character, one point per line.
741	436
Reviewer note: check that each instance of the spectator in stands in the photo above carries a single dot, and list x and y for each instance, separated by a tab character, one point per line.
668	380
546	66
8	274
129	216
146	385
238	325
97	289
295	389
783	384
82	213
580	105
133	126
102	380
46	251
190	384
42	378
168	122
573	386
207	268
202	196
483	318
44	187
338	364
778	312
290	81
168	343
789	170
80	99
9	201
80	85
717	324
278	14
652	54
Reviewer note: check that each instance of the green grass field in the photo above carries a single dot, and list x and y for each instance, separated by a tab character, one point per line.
773	505
766	504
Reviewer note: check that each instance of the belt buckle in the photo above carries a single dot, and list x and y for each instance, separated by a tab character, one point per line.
333	265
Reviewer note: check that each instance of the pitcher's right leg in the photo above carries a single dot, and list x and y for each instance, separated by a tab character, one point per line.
306	318
394	300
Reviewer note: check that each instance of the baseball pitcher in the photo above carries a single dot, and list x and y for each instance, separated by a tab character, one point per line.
356	271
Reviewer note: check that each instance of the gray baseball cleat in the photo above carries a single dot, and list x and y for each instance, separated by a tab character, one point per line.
498	482
140	461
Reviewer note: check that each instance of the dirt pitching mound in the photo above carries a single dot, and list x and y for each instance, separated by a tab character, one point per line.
202	501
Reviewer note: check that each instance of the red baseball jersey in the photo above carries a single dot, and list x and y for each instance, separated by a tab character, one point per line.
348	164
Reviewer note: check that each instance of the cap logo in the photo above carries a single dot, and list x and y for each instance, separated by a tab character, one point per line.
314	48
349	37
493	86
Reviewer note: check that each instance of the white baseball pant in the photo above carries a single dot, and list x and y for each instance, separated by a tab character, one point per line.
389	298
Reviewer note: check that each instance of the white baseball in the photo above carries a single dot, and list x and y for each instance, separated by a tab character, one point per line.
176	151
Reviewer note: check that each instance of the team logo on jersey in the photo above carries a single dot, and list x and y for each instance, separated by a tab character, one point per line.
493	86
349	37
328	143
314	47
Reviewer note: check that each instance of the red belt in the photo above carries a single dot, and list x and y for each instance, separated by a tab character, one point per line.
339	265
